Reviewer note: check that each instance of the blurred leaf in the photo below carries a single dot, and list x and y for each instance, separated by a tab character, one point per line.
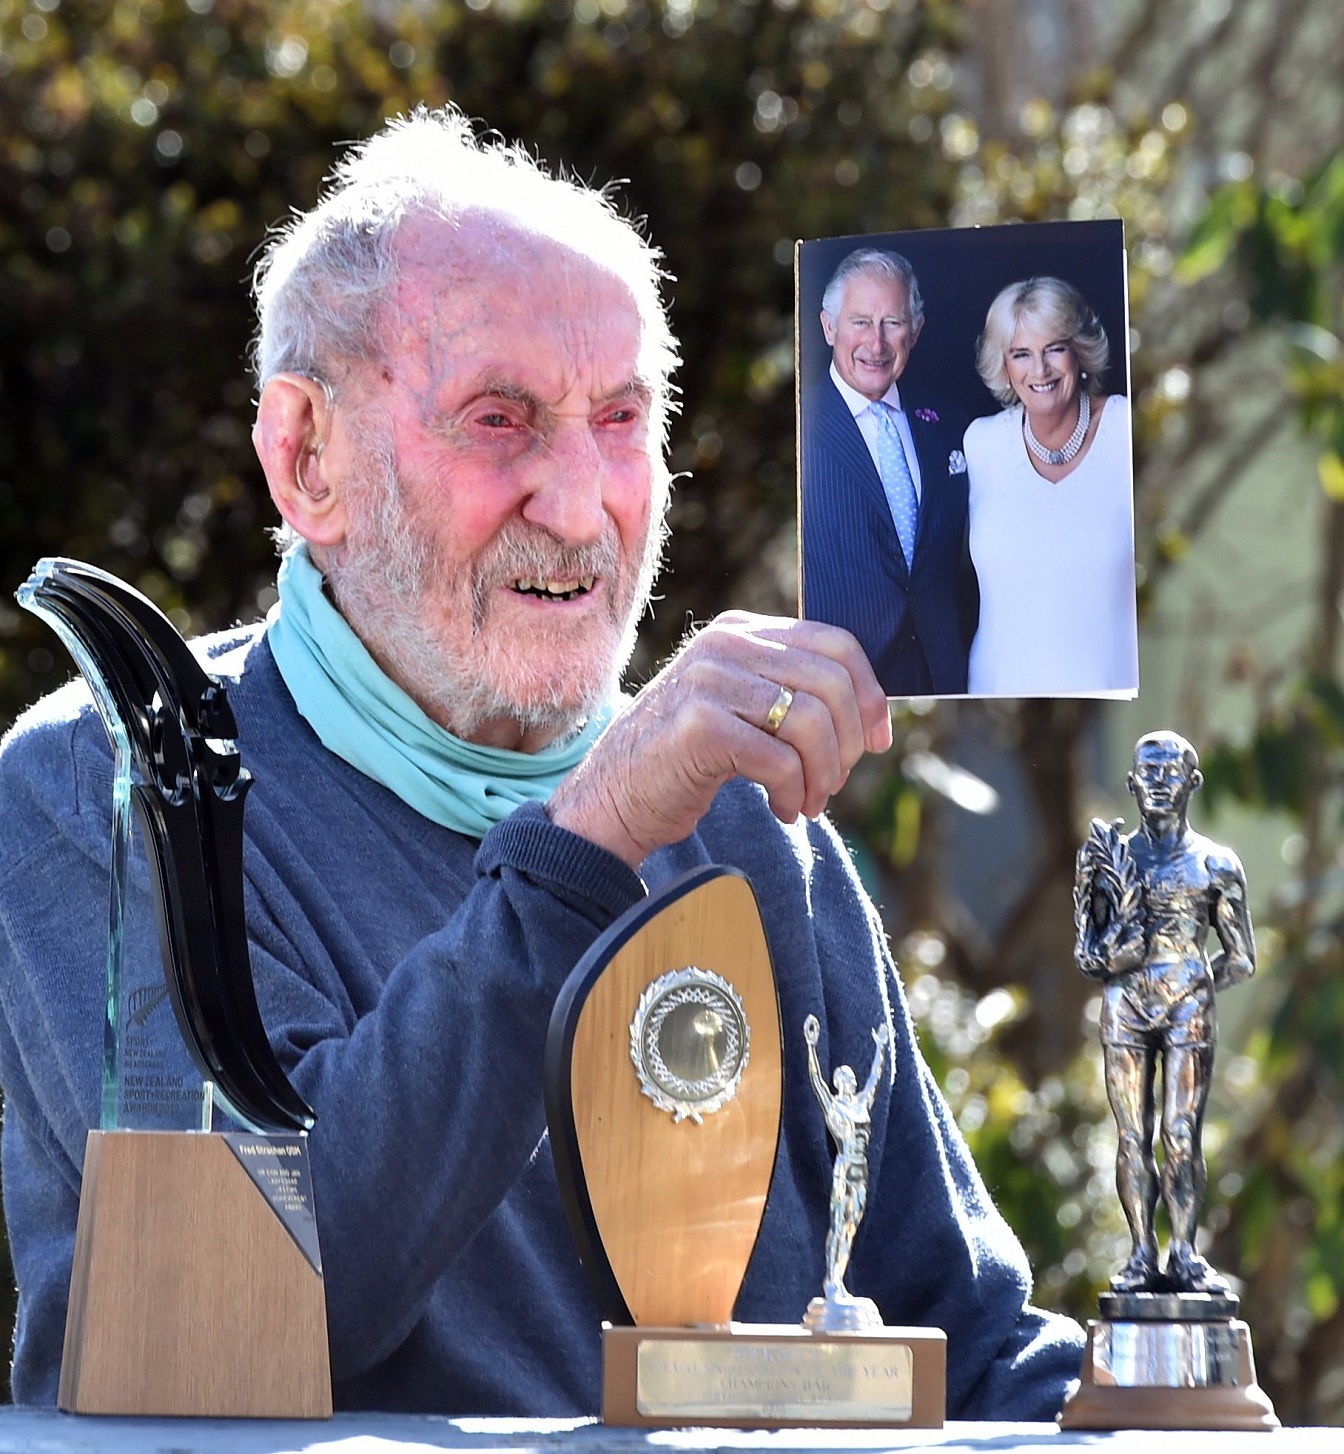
905	824
1228	214
1330	468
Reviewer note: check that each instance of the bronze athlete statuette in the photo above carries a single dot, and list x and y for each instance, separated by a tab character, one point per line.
1168	1350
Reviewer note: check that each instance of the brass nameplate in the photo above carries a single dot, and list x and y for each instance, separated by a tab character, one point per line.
795	1379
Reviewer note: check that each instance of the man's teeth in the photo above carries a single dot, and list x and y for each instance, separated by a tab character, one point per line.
557	590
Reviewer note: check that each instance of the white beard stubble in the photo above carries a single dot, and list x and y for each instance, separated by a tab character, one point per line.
388	575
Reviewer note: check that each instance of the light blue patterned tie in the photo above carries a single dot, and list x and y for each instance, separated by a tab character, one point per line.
897	481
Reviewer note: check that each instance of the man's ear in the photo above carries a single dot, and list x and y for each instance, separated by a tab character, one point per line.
294	419
828	327
916	331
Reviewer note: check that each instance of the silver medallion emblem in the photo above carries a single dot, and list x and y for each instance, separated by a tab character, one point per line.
690	1042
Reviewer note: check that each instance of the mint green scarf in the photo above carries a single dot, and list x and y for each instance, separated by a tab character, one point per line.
366	719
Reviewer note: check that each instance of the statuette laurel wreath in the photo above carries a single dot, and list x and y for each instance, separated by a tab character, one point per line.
1108	911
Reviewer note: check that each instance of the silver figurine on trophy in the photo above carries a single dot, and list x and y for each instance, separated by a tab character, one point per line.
848	1112
1168	1350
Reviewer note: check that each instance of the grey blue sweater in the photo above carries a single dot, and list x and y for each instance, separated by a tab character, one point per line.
406	975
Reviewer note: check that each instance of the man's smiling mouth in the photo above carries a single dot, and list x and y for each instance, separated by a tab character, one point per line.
554	590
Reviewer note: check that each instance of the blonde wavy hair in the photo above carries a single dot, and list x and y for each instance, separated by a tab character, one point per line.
1056	308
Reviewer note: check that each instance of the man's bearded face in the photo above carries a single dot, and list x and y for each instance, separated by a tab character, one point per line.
434	625
504	498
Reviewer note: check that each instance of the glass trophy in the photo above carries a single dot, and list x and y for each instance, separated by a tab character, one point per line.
664	1091
149	1080
209	1233
1168	1350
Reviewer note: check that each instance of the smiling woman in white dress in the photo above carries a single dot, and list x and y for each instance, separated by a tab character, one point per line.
1051	504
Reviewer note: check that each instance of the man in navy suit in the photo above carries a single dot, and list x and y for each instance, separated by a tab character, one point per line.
884	493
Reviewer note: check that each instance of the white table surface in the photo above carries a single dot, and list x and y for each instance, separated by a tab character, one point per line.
44	1431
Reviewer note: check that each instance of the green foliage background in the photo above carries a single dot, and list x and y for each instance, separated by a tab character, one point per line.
147	145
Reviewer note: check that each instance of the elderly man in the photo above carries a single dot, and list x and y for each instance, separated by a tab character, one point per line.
884	494
464	393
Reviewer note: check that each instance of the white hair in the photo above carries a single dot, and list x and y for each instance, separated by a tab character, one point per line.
873	261
324	278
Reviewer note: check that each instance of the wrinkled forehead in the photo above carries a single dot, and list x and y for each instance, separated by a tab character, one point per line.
483	292
482	270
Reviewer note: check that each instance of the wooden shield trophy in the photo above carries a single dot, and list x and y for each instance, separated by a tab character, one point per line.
664	1087
196	1287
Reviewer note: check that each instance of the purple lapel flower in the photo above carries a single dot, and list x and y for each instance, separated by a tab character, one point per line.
929	416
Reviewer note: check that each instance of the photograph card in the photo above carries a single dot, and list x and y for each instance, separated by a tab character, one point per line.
965	466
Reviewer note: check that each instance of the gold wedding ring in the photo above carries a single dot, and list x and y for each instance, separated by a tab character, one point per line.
775	718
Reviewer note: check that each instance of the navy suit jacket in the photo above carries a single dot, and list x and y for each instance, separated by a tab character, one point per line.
915	623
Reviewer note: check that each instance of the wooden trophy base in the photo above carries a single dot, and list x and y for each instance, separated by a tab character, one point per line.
188	1294
1151	1374
767	1376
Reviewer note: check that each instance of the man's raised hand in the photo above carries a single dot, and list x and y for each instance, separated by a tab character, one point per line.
716	712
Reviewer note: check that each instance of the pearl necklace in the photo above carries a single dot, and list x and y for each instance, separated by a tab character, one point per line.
1071	445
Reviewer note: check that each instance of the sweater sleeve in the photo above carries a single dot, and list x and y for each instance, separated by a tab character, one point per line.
430	1104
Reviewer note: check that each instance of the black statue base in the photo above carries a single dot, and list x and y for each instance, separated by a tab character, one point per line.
1174	1306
